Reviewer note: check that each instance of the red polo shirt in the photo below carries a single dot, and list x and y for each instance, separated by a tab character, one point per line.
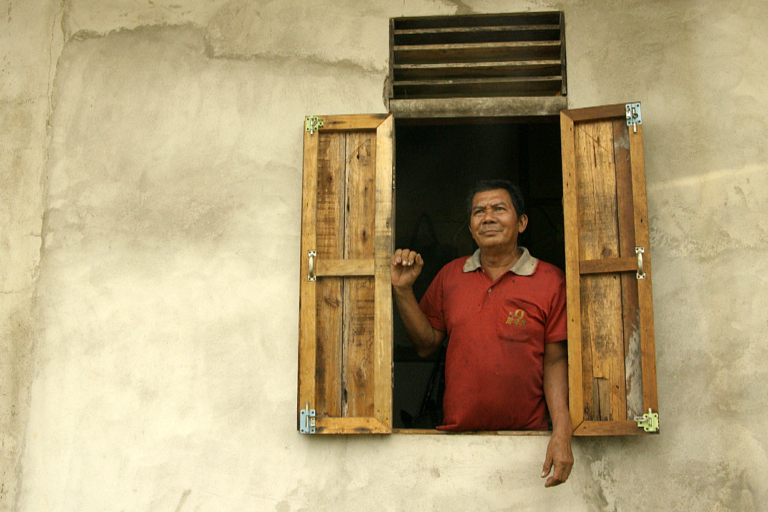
494	368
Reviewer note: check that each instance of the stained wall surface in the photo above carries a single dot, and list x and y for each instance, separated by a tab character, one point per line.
151	168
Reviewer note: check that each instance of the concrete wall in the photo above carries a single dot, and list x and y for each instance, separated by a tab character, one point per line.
151	168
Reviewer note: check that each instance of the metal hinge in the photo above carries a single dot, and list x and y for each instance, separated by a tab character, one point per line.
312	124
307	420
634	115
649	421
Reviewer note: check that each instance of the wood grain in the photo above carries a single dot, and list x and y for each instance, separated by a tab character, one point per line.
359	297
330	245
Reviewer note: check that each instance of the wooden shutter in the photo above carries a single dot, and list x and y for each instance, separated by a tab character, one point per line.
345	326
611	352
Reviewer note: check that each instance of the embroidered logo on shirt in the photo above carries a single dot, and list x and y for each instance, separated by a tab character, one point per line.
517	318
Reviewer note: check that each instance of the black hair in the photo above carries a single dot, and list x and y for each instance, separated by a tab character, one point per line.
485	185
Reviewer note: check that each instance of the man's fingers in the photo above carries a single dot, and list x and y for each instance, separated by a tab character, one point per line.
547	467
406	258
560	475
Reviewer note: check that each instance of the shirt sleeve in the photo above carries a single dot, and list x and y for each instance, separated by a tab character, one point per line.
432	303
556	328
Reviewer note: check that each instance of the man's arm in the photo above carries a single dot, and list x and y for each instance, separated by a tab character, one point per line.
405	267
559	452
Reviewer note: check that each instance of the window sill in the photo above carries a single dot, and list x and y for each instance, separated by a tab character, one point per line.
427	431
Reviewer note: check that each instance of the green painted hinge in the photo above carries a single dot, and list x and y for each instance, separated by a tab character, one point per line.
649	421
634	115
312	124
307	421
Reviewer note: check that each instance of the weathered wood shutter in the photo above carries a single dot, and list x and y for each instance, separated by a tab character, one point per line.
611	351
345	326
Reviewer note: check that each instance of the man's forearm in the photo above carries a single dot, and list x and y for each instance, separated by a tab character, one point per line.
556	387
424	336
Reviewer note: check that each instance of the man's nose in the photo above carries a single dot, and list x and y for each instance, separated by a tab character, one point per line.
489	215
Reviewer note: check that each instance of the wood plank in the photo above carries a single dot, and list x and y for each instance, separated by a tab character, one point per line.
458	35
573	302
504	86
597	113
364	425
606	428
307	289
427	431
351	122
563	73
633	384
648	342
345	267
598	238
475	29
330	245
389	91
384	245
608	265
481	81
412	54
359	296
508	106
487	20
601	389
439	71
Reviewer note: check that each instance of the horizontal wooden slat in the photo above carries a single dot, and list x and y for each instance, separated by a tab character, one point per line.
596	113
364	425
520	68
476	52
352	122
527	18
477	107
608	428
345	267
607	265
455	35
538	86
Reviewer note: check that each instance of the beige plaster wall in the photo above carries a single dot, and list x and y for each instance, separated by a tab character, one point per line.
151	175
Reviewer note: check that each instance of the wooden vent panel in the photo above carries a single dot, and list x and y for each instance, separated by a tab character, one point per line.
478	56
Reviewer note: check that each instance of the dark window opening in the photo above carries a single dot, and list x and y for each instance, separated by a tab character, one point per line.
437	162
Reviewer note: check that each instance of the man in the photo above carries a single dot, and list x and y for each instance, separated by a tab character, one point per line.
504	312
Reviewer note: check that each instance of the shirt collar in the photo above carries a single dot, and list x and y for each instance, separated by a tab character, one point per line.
524	266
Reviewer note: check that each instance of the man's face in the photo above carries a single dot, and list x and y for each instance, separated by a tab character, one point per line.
493	221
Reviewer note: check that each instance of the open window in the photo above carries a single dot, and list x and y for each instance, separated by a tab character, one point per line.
346	340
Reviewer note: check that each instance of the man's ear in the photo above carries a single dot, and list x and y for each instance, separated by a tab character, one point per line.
522	222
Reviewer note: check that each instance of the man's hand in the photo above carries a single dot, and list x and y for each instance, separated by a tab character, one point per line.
405	267
559	453
560	457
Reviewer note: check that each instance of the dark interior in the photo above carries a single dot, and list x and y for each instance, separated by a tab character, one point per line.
437	163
